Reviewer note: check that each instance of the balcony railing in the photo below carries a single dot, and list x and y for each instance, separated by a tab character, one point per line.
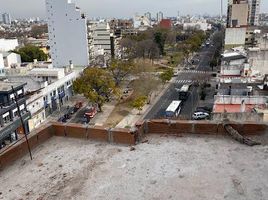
13	125
9	103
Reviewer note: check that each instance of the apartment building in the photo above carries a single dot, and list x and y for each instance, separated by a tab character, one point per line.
237	14
254	12
10	123
159	16
67	31
6	18
100	39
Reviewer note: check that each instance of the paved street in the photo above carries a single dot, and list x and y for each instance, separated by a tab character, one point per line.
201	71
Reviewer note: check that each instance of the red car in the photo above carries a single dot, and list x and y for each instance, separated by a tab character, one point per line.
90	112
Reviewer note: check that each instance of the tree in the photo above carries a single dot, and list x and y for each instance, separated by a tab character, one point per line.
147	49
38	30
139	102
213	63
30	52
166	76
120	69
160	39
96	85
128	48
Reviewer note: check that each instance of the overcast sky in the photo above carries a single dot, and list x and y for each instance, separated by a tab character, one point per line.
120	8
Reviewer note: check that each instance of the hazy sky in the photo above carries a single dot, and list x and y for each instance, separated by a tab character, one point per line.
120	8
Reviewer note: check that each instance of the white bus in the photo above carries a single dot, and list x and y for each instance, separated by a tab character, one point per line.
184	92
173	109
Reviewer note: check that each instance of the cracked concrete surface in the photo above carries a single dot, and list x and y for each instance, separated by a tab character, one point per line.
165	167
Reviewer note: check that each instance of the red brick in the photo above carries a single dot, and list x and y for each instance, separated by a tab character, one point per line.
76	131
204	127
98	133
123	136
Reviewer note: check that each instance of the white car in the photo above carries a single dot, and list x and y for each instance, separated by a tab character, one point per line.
176	73
200	115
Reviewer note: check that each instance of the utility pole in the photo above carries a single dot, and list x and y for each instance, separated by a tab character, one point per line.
22	122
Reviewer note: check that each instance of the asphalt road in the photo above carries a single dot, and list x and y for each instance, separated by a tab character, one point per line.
201	71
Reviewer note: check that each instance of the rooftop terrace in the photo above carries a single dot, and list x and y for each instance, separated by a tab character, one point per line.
168	167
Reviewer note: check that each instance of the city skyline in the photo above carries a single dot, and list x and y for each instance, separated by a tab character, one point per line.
95	8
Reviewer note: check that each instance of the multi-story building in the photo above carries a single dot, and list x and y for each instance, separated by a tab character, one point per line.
237	23
50	89
238	13
254	12
141	22
67	31
159	16
148	15
2	71
10	123
6	19
100	38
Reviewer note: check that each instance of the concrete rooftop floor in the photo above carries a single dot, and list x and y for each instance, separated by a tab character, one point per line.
187	167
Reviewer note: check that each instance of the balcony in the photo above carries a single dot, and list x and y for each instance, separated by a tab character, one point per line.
11	126
11	104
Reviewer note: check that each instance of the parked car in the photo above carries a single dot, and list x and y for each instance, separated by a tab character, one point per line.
90	113
71	110
77	106
176	73
62	119
204	109
200	115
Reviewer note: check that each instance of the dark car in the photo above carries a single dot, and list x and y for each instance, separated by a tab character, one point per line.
203	109
71	111
60	119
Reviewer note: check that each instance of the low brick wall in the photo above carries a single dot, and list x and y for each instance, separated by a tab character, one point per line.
121	136
41	135
201	127
19	149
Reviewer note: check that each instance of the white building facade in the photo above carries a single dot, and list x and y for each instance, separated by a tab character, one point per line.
2	71
159	16
67	34
101	38
8	44
254	11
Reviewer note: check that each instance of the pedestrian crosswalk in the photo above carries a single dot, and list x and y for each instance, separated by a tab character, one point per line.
184	81
194	71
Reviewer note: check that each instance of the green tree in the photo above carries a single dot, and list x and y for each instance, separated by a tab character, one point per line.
30	52
96	85
139	102
166	76
160	39
120	69
213	63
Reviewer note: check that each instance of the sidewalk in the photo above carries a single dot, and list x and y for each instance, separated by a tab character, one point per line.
102	117
135	116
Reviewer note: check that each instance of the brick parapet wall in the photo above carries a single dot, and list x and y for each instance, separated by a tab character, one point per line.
120	136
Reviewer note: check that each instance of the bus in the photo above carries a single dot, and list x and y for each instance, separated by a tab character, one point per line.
184	92
173	109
